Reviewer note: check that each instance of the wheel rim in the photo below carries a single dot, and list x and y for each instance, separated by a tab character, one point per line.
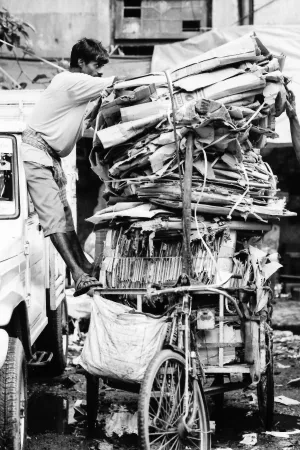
167	427
22	409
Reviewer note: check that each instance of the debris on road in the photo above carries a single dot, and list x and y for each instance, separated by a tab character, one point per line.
286	401
294	383
288	345
282	434
249	439
252	398
102	445
121	422
80	410
283	336
282	366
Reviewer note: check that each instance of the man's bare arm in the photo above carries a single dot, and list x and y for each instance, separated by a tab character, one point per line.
294	122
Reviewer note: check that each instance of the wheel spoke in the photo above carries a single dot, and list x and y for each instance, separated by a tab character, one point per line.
161	420
164	432
169	442
175	443
164	445
165	406
157	439
156	417
196	444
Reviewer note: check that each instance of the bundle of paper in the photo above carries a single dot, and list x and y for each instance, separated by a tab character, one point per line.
135	256
224	104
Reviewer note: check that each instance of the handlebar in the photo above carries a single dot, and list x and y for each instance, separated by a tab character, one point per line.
192	288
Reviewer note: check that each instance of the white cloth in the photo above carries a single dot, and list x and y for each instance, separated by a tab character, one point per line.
120	344
58	115
33	154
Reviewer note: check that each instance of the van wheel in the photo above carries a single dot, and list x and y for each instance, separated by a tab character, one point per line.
58	338
13	398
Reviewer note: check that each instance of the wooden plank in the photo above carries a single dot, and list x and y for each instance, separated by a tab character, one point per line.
186	210
227	369
220	345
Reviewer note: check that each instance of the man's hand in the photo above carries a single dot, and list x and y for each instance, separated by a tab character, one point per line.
106	92
290	104
118	79
294	122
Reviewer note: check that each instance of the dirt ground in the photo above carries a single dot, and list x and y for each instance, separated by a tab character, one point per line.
57	415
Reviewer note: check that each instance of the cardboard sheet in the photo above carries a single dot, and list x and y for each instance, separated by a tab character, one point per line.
206	79
169	56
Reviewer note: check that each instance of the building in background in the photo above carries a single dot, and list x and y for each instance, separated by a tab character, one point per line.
136	25
128	23
227	13
60	23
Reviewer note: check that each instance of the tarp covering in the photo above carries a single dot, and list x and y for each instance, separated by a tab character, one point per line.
280	39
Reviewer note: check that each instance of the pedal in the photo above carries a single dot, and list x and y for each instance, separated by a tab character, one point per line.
41	358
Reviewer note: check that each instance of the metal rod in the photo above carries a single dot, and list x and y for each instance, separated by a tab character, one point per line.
33	54
221	330
139	303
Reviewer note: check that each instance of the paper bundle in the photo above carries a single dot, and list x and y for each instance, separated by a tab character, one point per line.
228	99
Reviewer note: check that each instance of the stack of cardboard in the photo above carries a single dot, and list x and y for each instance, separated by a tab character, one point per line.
223	105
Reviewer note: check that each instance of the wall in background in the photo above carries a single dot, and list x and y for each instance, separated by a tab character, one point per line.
60	23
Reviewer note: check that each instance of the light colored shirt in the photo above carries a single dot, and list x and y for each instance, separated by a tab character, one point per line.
59	113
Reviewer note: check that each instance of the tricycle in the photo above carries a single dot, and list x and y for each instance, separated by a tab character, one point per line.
218	339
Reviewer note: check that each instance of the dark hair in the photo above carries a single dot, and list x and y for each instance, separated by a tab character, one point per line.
88	50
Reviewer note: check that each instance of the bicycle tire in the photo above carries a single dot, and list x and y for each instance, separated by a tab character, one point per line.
144	407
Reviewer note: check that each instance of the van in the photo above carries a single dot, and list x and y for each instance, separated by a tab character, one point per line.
33	307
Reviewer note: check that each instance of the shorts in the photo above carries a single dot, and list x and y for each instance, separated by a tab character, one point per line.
50	201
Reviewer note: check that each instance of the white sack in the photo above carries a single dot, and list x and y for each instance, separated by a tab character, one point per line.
120	344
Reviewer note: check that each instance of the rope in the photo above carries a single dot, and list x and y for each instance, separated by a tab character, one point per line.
242	196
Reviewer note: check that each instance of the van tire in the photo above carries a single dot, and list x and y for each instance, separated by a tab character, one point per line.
58	338
13	398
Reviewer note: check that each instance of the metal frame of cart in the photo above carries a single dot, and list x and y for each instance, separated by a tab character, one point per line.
265	384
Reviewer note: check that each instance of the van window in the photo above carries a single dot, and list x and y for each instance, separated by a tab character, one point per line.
8	187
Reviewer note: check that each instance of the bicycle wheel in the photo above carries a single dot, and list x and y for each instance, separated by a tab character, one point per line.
162	406
265	389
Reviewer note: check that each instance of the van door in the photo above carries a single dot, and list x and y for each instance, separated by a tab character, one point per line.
35	276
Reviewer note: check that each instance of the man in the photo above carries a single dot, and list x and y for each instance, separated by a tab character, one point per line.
52	132
294	122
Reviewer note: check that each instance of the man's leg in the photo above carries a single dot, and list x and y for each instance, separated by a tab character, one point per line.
78	253
83	281
56	219
63	245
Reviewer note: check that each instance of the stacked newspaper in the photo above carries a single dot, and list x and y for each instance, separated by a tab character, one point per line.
224	104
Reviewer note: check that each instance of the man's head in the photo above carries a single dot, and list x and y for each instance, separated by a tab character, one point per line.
88	56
